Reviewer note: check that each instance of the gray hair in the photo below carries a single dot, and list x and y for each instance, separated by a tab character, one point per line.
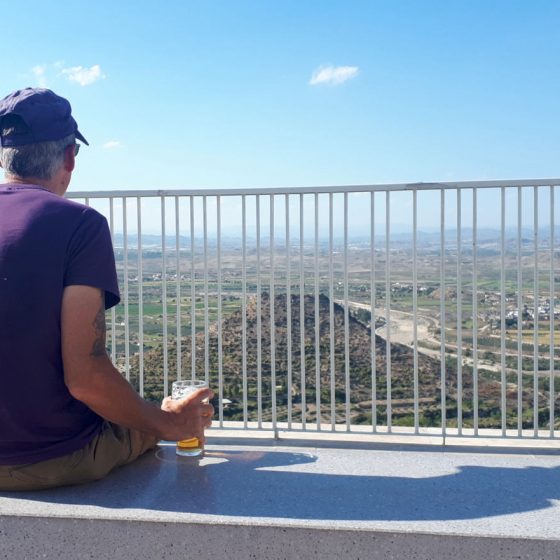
40	161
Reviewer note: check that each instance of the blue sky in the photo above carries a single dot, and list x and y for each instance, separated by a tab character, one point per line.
185	94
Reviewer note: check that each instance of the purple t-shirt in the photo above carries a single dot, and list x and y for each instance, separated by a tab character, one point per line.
46	244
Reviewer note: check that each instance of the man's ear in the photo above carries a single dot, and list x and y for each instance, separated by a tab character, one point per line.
69	158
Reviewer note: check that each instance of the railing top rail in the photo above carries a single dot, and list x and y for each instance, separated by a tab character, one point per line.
319	189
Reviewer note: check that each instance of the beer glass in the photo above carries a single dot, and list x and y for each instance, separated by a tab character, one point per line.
180	389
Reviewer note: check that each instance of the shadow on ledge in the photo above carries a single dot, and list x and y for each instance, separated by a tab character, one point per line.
271	484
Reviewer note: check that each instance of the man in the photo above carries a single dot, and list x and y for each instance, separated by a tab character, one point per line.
67	416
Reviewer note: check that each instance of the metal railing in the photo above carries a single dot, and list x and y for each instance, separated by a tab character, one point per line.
416	309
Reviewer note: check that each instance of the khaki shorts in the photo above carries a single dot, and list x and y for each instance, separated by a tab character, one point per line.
112	447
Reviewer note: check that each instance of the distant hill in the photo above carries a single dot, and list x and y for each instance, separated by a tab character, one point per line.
400	233
402	365
360	371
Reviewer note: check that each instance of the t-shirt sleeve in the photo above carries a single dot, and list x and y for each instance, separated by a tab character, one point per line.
90	260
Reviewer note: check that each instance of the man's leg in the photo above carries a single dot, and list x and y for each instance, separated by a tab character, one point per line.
113	447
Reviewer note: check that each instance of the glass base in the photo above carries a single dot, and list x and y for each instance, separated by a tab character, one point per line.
192	452
189	447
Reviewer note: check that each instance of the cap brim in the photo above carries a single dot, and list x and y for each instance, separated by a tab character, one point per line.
81	138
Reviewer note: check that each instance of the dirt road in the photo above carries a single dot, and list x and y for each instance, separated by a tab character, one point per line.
401	331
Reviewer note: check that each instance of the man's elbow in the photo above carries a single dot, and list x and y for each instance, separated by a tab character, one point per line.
76	388
81	380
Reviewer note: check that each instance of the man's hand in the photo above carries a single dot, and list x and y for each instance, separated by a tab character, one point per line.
189	415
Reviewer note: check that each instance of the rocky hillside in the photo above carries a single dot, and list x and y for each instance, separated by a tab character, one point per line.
360	370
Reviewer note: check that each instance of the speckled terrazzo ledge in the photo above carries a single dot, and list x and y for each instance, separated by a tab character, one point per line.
261	498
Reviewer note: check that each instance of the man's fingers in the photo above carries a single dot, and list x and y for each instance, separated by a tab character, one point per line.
199	395
205	394
207	410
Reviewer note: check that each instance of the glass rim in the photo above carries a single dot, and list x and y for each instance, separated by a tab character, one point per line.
190	383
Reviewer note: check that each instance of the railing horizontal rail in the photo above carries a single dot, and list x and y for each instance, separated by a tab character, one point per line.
318	189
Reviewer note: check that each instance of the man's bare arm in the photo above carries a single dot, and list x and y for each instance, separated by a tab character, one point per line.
91	377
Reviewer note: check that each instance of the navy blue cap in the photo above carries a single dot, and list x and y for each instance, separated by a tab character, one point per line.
47	116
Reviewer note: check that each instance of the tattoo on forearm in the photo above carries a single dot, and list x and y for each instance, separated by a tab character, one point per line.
98	348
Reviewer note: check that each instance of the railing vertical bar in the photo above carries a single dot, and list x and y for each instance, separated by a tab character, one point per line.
302	315
219	318
459	301
372	320
178	286
193	291
317	318
244	307
289	310
415	305
346	316
164	299
206	325
503	405
113	310
536	316
126	295
259	313
519	316
551	394
475	310
388	309
442	317
140	298
331	317
272	317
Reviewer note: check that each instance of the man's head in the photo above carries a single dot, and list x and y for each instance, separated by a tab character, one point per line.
37	137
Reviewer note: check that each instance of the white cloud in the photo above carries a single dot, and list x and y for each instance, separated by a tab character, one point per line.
39	73
83	76
112	144
333	75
